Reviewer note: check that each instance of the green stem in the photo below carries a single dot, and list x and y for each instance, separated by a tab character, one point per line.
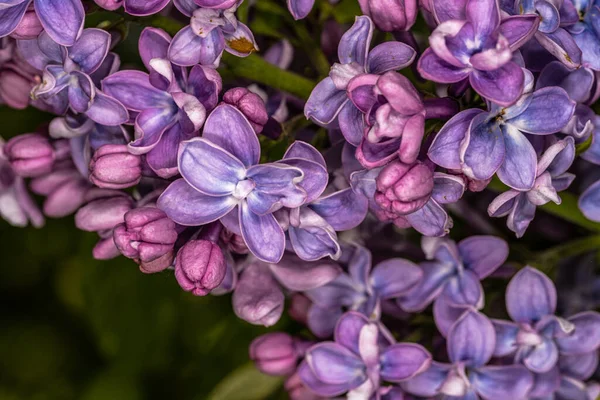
567	210
312	49
546	260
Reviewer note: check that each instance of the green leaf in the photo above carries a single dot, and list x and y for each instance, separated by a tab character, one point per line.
583	146
245	383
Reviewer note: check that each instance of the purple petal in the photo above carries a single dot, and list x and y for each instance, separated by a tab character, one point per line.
297	275
315	176
431	285
300	149
134	91
403	361
390	56
352	123
483	149
521	215
464	290
325	102
511	382
484	15
334	364
392	278
493	58
549	111
153	43
428	383
208	168
186	206
300	8
162	158
240	42
580	366
107	111
10	17
519	167
502	204
445	148
432	67
447	189
228	128
189	49
311	381
586	336
446	314
142	8
548	15
589	202
545	384
543	357
563	46
38	58
530	295
503	86
519	29
447	10
313	238
257	298
276	187
63	20
262	234
354	44
322	321
343	210
187	7
483	254
348	328
430	220
205	84
90	50
587	41
81	91
471	339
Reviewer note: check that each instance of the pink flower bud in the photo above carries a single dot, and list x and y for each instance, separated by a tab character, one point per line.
113	167
29	28
30	155
14	89
109	4
274	354
402	188
250	104
391	15
200	267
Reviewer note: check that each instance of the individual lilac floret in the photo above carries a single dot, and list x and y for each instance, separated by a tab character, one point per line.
537	337
391	16
147	236
431	219
311	228
454	271
211	30
138	8
551	34
567	381
62	20
470	345
67	82
30	155
277	353
114	167
221	172
329	100
16	205
360	289
481	144
250	104
472	42
586	32
258	297
551	177
362	356
200	266
169	106
300	8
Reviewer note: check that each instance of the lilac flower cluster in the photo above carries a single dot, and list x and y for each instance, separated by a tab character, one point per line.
185	170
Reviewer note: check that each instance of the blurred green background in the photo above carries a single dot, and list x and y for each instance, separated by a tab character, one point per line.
76	328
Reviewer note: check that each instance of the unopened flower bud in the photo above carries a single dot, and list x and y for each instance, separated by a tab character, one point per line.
109	4
235	243
30	155
200	267
14	89
113	167
402	188
391	15
274	354
250	104
29	28
147	236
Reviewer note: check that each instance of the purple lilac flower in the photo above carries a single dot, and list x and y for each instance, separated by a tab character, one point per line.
67	82
567	382
454	271
258	297
361	357
211	31
16	205
585	31
470	344
138	8
551	177
537	337
168	105
472	42
329	100
481	144
360	289
551	34
300	8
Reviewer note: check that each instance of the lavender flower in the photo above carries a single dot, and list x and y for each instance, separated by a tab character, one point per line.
481	144
537	338
361	357
470	346
168	105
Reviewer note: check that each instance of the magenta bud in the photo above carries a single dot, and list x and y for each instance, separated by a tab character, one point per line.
14	89
147	236
274	354
391	15
30	155
200	267
103	214
113	167
250	104
110	5
29	28
402	188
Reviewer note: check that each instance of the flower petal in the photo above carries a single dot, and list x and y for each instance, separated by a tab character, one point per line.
10	17
512	382
395	276
134	91
354	44
549	111
586	336
403	361
471	339
334	364
482	150
483	254
262	234
299	276
63	20
530	295
390	56
343	210
445	148
432	67
431	285
325	102
503	86
519	29
90	50
317	386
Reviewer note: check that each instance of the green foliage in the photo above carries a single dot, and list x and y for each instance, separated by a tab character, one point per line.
246	383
